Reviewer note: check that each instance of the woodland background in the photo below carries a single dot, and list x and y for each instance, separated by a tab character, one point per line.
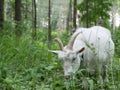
27	30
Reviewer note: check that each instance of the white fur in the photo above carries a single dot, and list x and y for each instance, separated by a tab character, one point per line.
99	47
99	50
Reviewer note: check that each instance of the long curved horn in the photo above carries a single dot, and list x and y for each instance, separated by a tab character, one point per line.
60	43
71	42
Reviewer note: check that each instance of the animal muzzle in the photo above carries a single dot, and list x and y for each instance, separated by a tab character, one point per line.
67	77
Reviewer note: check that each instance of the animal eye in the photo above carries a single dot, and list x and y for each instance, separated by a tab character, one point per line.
73	59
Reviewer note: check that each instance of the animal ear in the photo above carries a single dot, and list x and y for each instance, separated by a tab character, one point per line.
54	51
81	50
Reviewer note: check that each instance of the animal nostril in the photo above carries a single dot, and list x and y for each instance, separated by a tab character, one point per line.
67	77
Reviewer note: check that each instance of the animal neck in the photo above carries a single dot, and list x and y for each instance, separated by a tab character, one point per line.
81	62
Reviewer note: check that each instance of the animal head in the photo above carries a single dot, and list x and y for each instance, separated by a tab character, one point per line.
69	57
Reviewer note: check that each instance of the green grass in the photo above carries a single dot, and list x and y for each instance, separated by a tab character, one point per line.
26	64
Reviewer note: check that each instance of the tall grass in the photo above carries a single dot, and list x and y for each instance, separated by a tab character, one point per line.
26	64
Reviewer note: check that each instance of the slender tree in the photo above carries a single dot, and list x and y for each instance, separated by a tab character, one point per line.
1	13
69	15
87	14
18	16
26	8
49	22
74	14
34	17
114	10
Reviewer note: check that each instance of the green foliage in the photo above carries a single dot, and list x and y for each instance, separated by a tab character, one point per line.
26	64
116	38
97	9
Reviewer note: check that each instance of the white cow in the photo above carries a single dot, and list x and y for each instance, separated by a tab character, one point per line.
91	46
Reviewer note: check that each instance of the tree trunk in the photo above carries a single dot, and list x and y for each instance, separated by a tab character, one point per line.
74	15
87	14
1	13
113	12
26	9
34	17
18	17
49	23
95	5
69	17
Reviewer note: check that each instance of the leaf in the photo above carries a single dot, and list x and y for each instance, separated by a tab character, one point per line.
9	80
49	68
43	87
90	81
46	89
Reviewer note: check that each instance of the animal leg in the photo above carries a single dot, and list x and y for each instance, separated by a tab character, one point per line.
105	76
100	79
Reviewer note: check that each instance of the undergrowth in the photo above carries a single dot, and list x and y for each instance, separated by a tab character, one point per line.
26	64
